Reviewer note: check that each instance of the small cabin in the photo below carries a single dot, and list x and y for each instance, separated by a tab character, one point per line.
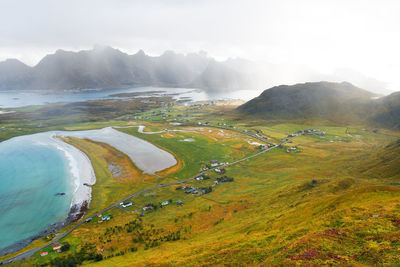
56	246
106	218
126	204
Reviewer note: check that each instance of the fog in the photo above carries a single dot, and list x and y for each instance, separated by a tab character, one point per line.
353	40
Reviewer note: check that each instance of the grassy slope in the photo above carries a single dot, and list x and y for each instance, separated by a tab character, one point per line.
272	213
384	162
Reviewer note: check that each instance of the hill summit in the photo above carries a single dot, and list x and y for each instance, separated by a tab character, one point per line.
324	100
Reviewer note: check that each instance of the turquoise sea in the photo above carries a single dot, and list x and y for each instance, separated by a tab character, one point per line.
30	176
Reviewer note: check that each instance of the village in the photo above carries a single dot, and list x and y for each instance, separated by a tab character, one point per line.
188	189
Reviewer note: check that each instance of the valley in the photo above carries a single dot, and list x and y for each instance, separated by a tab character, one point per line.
308	200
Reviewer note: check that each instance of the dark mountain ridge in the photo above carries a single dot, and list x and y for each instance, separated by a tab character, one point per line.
106	67
335	102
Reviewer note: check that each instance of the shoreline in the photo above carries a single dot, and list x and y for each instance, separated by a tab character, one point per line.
81	173
82	177
76	212
80	169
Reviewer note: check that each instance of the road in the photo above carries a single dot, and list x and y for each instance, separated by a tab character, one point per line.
29	253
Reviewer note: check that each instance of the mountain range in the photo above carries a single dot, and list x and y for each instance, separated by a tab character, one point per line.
335	102
106	67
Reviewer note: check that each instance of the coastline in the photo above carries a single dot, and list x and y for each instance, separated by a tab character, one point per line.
75	213
81	176
81	172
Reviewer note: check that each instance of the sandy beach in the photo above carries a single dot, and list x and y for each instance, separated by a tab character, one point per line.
81	172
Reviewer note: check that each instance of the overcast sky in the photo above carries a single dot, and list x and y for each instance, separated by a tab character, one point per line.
324	35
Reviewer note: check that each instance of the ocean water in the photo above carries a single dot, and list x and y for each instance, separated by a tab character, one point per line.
30	176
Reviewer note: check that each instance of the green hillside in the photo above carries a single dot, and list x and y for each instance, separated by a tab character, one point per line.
322	100
334	102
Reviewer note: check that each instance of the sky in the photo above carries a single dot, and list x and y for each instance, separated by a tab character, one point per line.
322	35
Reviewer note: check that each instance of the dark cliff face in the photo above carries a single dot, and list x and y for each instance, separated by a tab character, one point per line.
105	67
336	102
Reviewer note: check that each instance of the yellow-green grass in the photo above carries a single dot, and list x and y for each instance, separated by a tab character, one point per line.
281	209
284	209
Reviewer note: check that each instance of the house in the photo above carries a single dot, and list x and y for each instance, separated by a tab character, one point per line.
56	246
213	161
184	186
59	250
220	171
199	178
44	254
165	203
100	221
106	218
88	220
125	204
206	190
179	202
214	164
147	208
99	215
195	192
189	191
